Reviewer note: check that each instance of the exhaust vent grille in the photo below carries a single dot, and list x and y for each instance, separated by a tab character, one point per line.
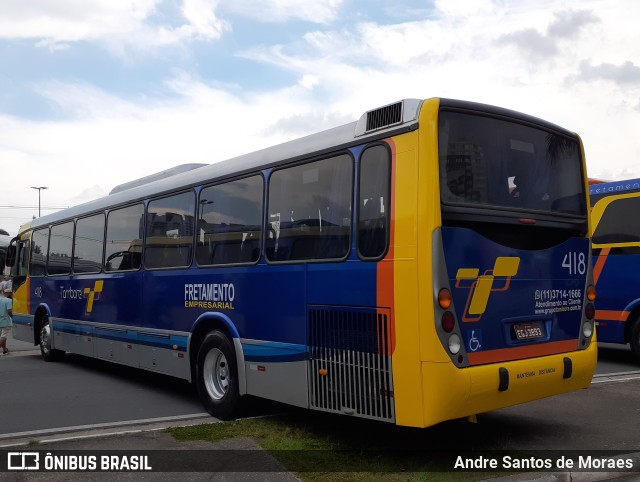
350	361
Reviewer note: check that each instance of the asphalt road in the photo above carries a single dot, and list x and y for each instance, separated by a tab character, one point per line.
602	418
615	358
81	392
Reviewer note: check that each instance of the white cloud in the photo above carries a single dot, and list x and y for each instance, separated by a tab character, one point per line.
134	24
139	25
72	20
309	81
457	52
106	141
202	19
274	11
587	81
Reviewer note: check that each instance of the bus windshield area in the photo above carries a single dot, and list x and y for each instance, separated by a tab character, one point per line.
494	163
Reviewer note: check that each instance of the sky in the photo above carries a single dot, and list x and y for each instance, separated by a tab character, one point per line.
95	93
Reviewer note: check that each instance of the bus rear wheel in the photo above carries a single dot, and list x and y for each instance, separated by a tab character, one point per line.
217	376
48	354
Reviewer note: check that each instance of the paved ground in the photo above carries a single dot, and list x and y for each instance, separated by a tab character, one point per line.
20	346
142	438
605	416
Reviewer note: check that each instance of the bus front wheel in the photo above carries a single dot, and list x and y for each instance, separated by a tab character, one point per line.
48	354
217	376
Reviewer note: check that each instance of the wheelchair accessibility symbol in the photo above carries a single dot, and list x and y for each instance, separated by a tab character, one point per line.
474	342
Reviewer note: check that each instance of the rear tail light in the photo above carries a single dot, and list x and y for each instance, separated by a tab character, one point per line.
589	311
591	293
444	298
587	329
448	321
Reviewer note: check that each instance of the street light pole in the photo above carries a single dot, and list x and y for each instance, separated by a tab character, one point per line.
39	190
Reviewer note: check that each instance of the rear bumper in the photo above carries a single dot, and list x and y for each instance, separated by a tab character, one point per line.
468	391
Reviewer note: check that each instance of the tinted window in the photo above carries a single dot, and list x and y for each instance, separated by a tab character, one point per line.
60	248
486	161
170	229
123	246
619	223
39	252
229	222
89	243
310	210
22	265
373	202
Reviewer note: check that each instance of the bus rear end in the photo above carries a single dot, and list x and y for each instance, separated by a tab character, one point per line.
512	286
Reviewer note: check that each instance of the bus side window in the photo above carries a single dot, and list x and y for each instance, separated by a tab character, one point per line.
619	223
374	194
60	249
39	252
310	211
22	265
89	244
170	231
229	222
123	245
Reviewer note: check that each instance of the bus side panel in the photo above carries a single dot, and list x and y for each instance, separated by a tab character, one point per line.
266	308
101	299
618	294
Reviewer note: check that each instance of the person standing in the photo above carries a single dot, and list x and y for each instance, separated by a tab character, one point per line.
6	312
3	286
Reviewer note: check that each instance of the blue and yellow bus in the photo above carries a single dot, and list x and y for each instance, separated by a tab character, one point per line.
616	251
430	261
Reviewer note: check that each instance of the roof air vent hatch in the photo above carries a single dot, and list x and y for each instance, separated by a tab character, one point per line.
388	116
384	116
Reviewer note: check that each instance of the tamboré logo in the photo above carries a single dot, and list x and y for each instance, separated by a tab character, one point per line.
482	285
93	294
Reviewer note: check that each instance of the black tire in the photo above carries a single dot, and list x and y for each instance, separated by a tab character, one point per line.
217	376
48	354
634	340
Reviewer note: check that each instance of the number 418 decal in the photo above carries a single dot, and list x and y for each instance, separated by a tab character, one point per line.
575	262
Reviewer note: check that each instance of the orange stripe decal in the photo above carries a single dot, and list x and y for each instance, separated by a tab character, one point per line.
602	259
612	315
518	353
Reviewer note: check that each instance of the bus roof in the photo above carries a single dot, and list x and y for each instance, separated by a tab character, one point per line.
154	177
601	190
379	123
329	140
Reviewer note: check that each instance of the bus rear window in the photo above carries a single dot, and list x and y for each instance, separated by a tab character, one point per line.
491	162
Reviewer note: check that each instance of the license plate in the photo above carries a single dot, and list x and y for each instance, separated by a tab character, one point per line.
528	331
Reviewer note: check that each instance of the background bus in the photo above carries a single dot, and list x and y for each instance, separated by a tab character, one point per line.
428	262
616	250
